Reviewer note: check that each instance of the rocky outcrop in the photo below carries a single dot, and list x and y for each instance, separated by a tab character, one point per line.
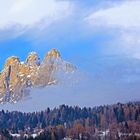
17	76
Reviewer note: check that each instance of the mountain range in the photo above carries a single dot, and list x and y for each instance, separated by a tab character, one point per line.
18	77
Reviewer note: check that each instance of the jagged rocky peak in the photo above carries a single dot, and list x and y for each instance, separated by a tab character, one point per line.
52	54
33	59
13	60
13	76
17	76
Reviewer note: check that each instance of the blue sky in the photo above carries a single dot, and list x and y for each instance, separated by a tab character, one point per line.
101	37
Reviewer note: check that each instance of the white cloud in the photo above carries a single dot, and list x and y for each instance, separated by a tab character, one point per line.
52	19
122	21
30	12
126	15
129	42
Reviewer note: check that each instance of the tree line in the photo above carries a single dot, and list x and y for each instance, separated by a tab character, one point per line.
110	122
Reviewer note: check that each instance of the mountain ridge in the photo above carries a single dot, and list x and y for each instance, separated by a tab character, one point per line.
17	76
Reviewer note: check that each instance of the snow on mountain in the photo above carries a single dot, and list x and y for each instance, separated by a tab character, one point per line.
17	77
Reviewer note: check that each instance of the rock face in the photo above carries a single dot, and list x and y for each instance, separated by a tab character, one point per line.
17	76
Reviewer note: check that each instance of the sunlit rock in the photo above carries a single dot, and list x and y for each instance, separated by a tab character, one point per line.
16	77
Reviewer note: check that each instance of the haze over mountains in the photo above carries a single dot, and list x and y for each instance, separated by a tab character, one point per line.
33	85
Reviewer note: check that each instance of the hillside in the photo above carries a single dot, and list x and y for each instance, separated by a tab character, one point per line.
118	121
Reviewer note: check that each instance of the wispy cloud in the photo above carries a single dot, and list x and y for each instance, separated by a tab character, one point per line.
67	19
122	20
28	13
126	15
